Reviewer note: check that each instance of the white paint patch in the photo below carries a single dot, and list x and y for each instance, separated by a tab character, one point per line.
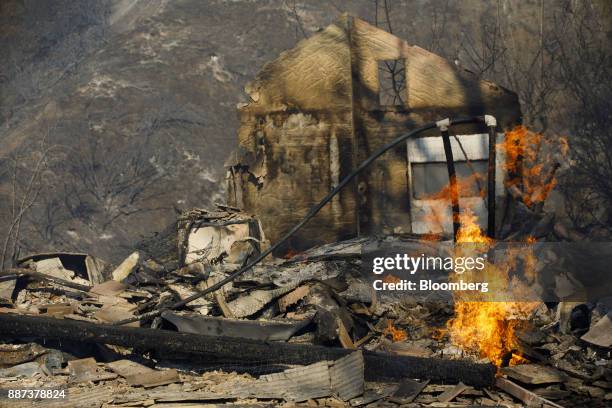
212	241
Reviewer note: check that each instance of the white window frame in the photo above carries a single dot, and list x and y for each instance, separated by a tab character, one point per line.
434	216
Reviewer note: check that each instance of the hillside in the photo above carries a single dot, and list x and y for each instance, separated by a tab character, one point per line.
133	101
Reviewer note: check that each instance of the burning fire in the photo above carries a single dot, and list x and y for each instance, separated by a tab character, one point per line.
489	328
464	184
527	155
395	333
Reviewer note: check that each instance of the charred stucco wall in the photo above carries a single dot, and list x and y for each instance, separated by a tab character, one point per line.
315	114
435	89
295	141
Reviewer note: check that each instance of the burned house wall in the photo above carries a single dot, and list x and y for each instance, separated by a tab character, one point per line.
433	89
316	114
295	141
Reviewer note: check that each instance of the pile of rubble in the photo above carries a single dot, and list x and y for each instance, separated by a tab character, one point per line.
304	331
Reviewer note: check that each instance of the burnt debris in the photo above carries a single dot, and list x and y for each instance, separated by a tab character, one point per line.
263	301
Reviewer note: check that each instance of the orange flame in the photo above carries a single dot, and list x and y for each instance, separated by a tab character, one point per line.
527	155
464	184
439	334
518	359
489	328
395	333
470	230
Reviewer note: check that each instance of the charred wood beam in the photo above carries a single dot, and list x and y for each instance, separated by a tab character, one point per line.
241	351
452	176
529	398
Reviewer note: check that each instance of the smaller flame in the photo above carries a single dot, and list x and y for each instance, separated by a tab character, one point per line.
470	230
518	359
395	333
527	155
464	185
439	334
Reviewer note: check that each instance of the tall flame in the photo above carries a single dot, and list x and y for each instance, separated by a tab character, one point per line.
527	155
489	328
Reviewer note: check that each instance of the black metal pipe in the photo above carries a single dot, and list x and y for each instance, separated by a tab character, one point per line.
313	211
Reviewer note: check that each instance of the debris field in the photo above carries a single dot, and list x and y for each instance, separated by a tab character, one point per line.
302	331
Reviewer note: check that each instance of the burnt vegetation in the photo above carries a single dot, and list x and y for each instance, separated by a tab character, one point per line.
555	55
341	155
